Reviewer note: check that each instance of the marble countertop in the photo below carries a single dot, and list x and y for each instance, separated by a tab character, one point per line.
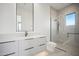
12	38
35	36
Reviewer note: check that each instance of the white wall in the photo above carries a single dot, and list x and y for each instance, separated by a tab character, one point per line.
25	11
42	19
7	17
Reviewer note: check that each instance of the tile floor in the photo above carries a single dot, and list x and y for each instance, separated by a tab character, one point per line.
55	53
62	50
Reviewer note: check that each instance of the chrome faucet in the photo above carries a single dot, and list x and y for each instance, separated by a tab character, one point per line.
26	33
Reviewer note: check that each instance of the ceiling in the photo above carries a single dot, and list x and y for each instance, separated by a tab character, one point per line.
59	6
24	6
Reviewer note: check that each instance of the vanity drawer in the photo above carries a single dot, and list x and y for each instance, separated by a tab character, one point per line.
29	51
8	48
42	40
41	47
28	43
11	54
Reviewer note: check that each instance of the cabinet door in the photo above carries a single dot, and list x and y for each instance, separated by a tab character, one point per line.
28	46
41	47
8	48
41	44
27	43
42	40
29	51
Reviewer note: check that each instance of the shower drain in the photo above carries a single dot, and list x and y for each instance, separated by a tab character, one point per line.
60	49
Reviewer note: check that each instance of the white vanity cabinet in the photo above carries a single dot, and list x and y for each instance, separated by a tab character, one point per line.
9	48
9	43
31	46
21	46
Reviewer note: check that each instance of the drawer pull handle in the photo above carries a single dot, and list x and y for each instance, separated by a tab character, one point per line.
9	54
29	48
29	39
42	37
6	42
41	44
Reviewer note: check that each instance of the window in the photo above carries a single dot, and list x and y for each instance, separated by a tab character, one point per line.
70	19
19	23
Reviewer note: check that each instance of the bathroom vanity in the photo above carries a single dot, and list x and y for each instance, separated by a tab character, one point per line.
33	44
18	45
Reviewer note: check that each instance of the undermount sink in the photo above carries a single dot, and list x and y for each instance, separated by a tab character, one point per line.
30	34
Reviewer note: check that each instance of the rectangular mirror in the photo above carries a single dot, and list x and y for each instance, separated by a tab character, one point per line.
24	20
